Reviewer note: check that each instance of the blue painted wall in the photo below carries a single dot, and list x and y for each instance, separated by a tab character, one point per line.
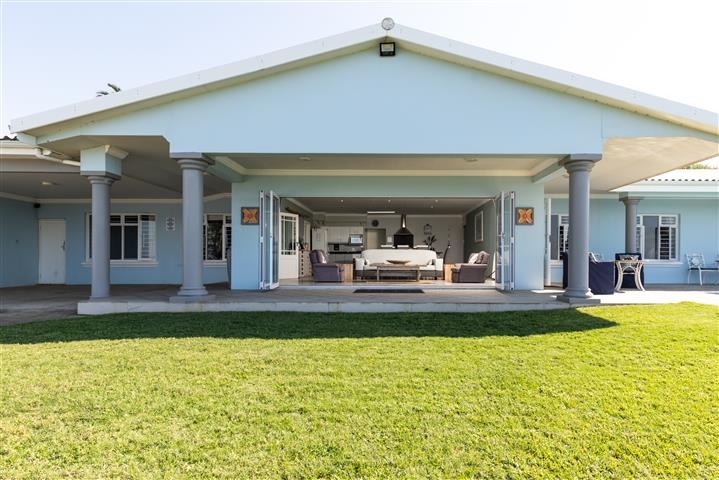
167	270
334	106
529	240
698	232
18	243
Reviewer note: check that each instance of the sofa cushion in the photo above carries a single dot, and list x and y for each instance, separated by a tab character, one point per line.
423	257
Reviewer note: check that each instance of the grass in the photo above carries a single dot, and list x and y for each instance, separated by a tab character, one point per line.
601	392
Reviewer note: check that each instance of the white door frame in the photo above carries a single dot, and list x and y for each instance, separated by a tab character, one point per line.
269	240
290	248
504	256
51	251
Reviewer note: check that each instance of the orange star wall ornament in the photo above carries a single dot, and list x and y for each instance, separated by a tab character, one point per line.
524	216
250	215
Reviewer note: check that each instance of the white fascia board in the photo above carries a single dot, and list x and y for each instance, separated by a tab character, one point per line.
357	40
13	148
689	189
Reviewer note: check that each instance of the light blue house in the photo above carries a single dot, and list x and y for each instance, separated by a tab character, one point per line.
157	184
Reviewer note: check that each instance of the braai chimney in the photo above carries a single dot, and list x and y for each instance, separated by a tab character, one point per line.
403	236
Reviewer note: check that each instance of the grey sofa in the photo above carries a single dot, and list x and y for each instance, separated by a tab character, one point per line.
474	271
322	271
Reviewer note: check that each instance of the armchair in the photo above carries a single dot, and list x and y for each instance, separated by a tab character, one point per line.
474	271
323	271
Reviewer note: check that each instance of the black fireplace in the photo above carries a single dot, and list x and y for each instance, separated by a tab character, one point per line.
403	236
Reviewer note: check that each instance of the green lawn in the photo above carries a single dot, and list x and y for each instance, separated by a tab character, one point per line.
601	392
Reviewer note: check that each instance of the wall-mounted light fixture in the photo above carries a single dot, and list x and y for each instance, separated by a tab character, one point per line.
386	49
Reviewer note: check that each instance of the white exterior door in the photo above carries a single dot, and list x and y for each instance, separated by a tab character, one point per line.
289	248
269	240
504	274
51	255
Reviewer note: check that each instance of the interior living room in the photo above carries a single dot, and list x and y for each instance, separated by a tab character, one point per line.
350	241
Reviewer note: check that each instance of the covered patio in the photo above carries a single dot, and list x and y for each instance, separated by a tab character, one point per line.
46	302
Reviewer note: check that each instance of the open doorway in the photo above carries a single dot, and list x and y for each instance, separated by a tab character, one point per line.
444	233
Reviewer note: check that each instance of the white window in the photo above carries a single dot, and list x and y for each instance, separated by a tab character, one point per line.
132	237
558	235
217	236
657	236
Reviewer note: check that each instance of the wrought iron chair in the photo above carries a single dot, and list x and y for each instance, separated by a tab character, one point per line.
695	263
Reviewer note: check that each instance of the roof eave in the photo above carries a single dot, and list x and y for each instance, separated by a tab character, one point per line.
204	80
356	40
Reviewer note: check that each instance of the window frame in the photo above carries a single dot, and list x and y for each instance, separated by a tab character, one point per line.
640	233
226	238
143	239
562	221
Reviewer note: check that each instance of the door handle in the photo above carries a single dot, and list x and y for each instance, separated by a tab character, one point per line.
63	246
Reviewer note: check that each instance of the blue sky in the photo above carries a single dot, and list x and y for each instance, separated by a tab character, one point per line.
58	53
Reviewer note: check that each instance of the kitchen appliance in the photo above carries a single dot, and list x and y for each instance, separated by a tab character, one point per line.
403	236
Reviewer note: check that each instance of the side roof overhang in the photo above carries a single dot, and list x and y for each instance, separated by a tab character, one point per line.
44	123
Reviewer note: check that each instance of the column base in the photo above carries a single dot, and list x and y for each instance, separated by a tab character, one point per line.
194	298
578	300
192	295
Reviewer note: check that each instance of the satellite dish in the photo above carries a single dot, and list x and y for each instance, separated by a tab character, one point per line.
388	24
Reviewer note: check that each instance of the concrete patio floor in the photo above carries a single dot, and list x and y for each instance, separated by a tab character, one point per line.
44	302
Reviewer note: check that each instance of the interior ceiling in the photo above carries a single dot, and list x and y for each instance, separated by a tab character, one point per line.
519	164
148	172
409	206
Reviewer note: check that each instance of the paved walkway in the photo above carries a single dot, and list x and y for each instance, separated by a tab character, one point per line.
27	304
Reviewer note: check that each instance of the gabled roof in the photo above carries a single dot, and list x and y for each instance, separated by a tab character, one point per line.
357	40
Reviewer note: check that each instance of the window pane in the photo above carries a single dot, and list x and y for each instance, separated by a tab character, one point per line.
116	219
554	238
147	236
115	242
651	237
213	240
130	219
130	242
667	240
89	236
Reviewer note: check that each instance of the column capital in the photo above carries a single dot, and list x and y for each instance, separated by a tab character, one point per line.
630	201
578	162
107	178
194	163
199	156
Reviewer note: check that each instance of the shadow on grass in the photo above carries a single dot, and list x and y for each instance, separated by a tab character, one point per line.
292	325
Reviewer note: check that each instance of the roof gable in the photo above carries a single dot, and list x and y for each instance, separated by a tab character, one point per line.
352	42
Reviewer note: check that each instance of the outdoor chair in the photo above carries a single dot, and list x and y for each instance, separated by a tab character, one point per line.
474	271
601	274
322	271
695	263
628	277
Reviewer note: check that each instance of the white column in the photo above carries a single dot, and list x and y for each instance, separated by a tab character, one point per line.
630	220
578	166
192	211
100	239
